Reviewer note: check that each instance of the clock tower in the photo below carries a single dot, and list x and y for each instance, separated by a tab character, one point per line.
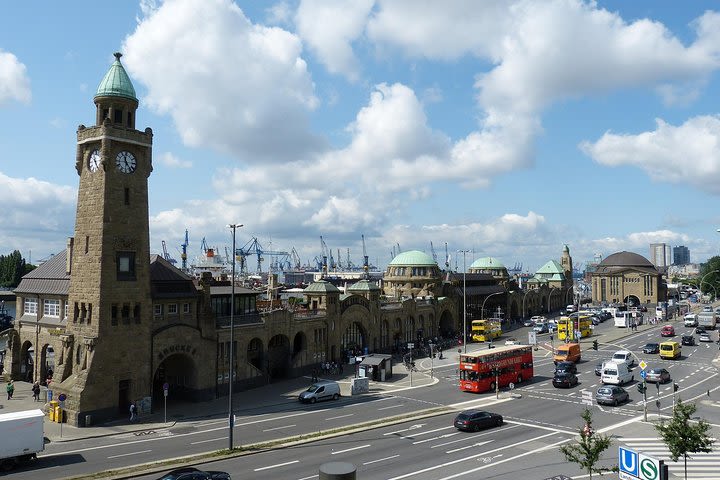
105	362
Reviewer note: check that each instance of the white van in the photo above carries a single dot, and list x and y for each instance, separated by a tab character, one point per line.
623	356
616	374
324	390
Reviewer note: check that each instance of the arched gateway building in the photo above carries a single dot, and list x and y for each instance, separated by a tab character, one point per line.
115	323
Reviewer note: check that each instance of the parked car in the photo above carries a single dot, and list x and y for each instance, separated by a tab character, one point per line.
651	348
707	308
474	420
541	328
667	331
564	379
688	340
704	337
190	473
512	341
323	390
611	395
538	319
529	322
595	320
565	367
657	375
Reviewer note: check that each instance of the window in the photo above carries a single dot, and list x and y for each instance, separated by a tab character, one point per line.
126	266
114	315
51	308
158	309
186	308
118	116
127	196
30	306
136	313
67	308
126	314
172	309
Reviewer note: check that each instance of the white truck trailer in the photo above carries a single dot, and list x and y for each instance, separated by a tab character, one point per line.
707	320
22	437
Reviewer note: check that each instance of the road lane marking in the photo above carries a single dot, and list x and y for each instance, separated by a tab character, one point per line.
472	457
379	460
436	438
466	438
411	427
340	416
207	441
350	449
391	406
279	428
476	444
128	454
308	478
276	466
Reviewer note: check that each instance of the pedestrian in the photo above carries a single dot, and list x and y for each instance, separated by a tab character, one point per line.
132	412
10	389
36	391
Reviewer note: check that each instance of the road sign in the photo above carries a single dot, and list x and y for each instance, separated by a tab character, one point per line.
642	365
411	345
532	338
578	334
638	466
643	374
62	397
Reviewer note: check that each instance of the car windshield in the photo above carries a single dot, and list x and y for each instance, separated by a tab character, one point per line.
666	347
609	371
605	391
656	371
313	388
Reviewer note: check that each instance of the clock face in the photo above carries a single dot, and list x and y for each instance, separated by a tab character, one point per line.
125	162
94	161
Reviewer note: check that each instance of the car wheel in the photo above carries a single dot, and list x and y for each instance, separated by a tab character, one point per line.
519	379
498	422
615	403
335	396
313	400
476	428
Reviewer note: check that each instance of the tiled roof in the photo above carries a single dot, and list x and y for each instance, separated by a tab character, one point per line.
50	278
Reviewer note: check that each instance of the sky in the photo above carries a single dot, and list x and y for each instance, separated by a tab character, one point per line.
502	128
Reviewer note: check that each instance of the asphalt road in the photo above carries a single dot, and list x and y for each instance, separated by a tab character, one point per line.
535	425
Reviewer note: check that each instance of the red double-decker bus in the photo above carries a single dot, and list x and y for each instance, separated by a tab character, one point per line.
514	364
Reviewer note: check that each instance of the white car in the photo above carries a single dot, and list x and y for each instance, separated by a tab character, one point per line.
537	319
704	337
690	320
512	341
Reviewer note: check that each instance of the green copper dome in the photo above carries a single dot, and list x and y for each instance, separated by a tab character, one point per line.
321	286
413	258
116	82
487	263
364	286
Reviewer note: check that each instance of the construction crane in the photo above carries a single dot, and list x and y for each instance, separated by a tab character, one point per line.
166	255
432	250
297	264
252	247
366	263
324	254
183	255
447	258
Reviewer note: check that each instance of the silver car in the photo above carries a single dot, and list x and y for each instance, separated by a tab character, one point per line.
611	395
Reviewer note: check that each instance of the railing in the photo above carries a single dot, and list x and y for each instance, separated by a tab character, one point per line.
391	306
243	319
309	314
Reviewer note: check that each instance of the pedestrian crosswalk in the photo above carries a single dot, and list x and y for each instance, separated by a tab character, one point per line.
700	466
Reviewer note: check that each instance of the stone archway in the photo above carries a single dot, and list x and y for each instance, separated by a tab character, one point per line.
27	362
47	363
299	344
354	338
447	325
278	357
255	353
631	301
385	334
178	370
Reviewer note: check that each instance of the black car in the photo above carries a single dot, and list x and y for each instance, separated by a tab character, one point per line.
565	380
474	420
190	473
565	367
688	340
699	330
651	348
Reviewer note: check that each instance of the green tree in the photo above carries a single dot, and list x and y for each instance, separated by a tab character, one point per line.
682	436
587	452
711	268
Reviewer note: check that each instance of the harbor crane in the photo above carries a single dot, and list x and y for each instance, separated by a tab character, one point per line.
166	255
432	250
366	264
183	254
253	247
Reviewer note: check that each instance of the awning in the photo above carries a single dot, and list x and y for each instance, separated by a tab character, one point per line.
374	360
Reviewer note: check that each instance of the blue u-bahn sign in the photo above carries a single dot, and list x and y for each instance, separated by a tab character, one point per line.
638	466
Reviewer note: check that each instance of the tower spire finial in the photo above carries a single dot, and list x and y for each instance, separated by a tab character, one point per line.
117	55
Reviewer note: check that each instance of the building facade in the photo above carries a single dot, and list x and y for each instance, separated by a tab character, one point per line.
627	278
681	255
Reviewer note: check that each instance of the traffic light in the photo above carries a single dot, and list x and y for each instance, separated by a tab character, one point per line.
595	344
641	387
676	387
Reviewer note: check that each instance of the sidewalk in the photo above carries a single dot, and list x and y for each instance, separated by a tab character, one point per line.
245	402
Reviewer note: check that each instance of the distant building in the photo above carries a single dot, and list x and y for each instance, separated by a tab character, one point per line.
681	255
660	254
629	278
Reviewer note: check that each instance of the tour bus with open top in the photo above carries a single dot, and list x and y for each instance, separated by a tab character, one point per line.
479	371
486	330
567	326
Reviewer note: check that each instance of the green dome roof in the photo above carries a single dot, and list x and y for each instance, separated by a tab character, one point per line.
487	263
116	82
413	258
364	286
321	286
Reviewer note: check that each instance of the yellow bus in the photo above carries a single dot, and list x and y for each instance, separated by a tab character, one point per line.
566	327
486	330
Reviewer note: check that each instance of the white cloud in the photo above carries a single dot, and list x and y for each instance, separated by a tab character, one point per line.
279	14
228	84
14	81
687	154
330	27
170	160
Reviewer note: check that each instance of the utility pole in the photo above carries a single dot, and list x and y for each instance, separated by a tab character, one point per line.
231	414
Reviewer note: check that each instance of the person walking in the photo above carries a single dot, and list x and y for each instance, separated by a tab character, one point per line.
132	412
36	391
10	389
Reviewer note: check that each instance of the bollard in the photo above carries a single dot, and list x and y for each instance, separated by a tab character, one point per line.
337	471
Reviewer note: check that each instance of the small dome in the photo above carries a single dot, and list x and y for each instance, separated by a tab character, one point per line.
488	263
414	258
321	286
116	82
626	259
364	286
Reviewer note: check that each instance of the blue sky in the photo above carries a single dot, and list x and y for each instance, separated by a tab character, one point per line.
508	128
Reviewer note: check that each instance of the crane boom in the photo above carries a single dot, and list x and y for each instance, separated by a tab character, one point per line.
366	265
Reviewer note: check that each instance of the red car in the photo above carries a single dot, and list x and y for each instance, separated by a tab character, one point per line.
667	331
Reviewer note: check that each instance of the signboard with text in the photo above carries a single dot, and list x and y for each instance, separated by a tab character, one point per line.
638	466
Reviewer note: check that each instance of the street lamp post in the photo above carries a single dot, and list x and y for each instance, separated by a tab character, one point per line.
550	297
231	416
464	301
703	278
482	308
